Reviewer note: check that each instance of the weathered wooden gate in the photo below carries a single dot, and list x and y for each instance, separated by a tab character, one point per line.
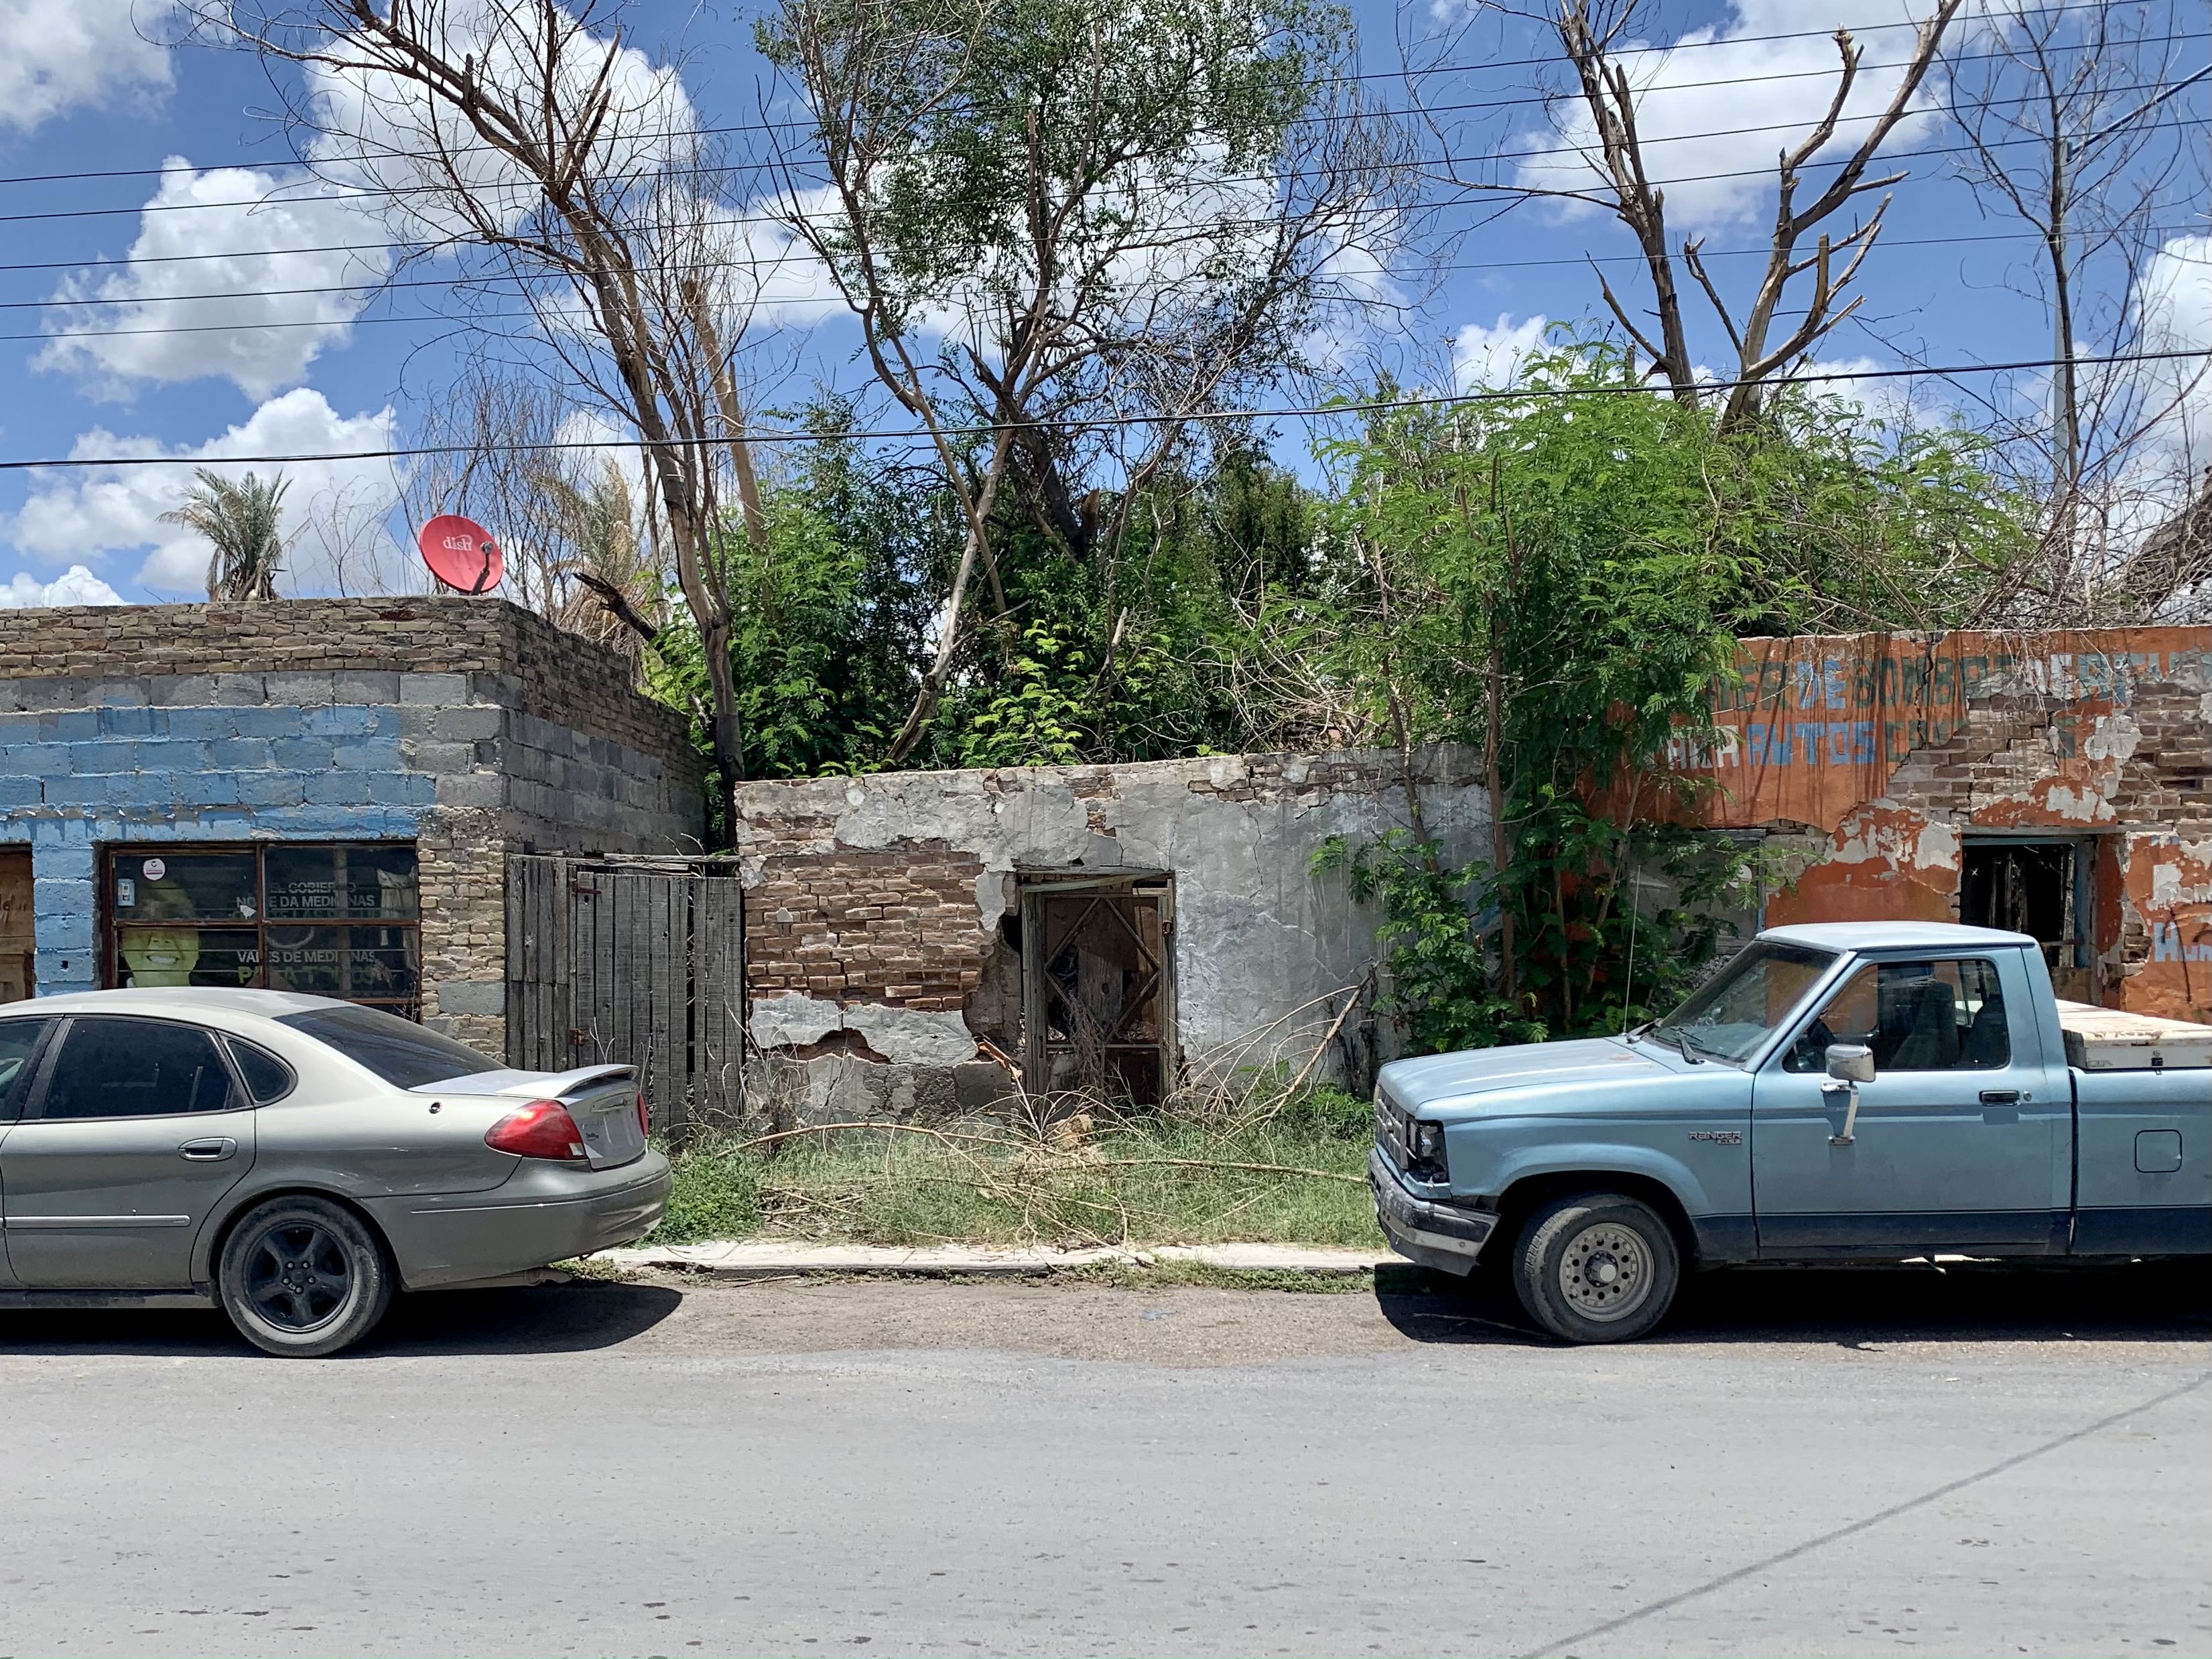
638	961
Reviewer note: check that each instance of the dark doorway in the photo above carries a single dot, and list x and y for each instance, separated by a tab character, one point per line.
1097	985
2040	888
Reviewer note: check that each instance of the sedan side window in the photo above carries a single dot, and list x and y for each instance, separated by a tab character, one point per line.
1938	1015
19	1041
136	1068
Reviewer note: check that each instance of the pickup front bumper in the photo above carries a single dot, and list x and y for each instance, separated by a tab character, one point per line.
1440	1236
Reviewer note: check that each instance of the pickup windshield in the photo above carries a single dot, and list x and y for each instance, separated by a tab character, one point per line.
1733	1013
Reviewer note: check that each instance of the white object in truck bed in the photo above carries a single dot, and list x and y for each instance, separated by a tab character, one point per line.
2114	1039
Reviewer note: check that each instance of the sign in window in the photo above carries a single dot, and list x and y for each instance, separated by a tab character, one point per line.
330	918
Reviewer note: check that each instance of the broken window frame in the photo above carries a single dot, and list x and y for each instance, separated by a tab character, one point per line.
1035	886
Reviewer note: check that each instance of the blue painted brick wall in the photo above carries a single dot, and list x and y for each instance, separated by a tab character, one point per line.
72	779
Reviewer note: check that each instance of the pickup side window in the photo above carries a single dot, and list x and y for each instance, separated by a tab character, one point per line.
1947	1015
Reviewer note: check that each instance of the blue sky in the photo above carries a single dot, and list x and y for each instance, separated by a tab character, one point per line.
84	88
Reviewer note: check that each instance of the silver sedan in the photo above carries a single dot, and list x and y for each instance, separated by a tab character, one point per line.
294	1160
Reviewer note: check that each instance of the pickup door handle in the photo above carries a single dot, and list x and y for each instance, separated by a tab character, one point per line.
213	1149
2000	1097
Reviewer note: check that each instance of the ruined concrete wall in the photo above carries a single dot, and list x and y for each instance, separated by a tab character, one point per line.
874	905
1886	752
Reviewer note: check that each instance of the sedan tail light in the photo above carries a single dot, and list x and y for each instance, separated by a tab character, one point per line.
541	1129
644	1116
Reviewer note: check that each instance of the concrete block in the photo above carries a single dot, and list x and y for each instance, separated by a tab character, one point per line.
240	690
118	694
19	791
308	690
240	753
437	689
68	725
338	720
272	789
61	832
417	722
336	789
34	760
442	756
365	756
365	686
477	789
18	726
301	754
129	722
276	720
390	788
203	725
78	791
170	690
472	996
205	788
468	724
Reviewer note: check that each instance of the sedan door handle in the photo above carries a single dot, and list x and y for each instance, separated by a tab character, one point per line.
2000	1097
213	1149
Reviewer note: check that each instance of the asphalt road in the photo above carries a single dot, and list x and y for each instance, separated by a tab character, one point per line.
1834	1462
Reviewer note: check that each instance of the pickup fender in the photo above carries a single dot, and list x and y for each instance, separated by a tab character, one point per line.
1602	1158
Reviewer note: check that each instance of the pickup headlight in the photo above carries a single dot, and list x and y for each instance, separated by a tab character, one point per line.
1425	1146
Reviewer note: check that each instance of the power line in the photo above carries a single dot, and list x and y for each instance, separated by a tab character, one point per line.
525	188
986	428
380	286
724	129
1217	225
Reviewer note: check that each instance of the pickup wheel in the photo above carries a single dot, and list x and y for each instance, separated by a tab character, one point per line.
1596	1267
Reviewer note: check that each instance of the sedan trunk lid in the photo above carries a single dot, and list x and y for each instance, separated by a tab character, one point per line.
603	1099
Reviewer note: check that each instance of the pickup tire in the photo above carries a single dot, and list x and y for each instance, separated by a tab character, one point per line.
1596	1267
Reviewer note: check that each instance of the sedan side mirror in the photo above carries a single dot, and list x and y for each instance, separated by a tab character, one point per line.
1850	1063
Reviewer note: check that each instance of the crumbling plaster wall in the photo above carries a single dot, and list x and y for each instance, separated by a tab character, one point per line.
2104	734
874	904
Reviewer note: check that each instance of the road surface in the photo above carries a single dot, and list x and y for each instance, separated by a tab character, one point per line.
1835	1462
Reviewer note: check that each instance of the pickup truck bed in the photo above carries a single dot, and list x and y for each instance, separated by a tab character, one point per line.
2113	1040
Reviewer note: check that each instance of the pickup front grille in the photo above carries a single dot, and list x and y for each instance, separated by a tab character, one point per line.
1393	1131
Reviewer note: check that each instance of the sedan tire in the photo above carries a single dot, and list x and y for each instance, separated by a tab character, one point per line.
302	1277
1596	1267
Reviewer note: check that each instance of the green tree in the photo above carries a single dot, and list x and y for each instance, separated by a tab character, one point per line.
243	522
1558	577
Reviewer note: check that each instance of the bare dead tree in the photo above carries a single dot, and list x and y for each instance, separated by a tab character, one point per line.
2075	127
1077	227
1591	36
533	139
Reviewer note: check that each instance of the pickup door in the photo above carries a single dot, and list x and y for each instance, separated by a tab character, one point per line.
1964	1137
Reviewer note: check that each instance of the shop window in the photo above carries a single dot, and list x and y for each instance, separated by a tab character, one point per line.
329	918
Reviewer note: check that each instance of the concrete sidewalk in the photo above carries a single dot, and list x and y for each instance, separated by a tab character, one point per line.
776	1258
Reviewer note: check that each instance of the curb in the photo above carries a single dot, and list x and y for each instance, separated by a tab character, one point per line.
782	1259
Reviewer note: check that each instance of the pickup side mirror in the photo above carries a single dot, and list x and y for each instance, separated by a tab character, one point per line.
1850	1063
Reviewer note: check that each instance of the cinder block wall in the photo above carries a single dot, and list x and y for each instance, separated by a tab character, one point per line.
468	726
875	955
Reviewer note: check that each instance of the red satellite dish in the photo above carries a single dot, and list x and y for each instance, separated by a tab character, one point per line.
461	554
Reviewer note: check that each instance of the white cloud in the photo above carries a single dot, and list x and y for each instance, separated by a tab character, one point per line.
1670	109
1491	357
376	126
2173	304
56	56
250	219
334	511
76	585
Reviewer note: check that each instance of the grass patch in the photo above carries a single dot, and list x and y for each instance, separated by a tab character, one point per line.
1163	1275
1290	1176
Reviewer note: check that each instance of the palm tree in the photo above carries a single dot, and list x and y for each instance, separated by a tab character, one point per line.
242	519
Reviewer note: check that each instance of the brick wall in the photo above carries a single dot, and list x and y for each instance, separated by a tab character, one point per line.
896	926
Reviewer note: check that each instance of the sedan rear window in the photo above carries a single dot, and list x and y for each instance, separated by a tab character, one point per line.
397	1050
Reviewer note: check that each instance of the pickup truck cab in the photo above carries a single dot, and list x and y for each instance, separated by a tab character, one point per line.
1862	1091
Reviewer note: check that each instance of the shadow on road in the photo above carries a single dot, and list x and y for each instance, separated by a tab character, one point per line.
542	1319
1852	1306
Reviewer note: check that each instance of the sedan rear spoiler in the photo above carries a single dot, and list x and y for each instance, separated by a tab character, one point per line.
531	1085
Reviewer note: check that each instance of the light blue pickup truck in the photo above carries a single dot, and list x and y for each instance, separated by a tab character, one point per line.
1866	1092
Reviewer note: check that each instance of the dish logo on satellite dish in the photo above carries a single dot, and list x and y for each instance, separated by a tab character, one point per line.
460	554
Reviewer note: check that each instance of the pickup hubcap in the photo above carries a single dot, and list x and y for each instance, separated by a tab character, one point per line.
1605	1273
